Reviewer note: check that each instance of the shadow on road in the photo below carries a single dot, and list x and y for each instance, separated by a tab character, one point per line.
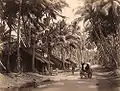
108	81
16	89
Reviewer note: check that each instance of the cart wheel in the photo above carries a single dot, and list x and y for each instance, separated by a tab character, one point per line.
90	75
81	77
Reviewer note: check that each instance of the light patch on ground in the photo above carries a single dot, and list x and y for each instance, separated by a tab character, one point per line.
93	76
43	86
92	86
73	77
105	73
102	78
2	78
81	82
62	77
52	89
59	83
95	66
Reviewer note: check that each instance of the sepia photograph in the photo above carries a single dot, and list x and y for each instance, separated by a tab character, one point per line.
59	45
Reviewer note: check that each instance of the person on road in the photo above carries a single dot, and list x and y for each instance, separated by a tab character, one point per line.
83	66
56	71
73	69
87	68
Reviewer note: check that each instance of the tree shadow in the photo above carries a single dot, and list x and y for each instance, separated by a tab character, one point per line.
108	82
15	89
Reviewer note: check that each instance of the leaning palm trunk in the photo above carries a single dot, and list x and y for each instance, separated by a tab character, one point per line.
116	50
118	47
110	51
101	44
116	44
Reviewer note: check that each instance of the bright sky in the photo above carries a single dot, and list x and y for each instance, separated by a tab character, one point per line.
68	11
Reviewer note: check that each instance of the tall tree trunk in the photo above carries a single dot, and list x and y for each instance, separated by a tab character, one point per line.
49	54
69	56
18	47
79	56
9	43
118	46
9	51
110	51
63	57
33	57
116	51
18	40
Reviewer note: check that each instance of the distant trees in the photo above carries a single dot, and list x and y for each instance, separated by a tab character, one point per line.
56	38
67	42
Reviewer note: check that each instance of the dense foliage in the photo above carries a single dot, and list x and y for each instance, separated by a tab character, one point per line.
101	21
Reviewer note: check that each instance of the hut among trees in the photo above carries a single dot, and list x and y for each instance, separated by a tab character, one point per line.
26	54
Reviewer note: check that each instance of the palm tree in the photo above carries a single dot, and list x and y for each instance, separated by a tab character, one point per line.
57	35
101	20
29	17
65	41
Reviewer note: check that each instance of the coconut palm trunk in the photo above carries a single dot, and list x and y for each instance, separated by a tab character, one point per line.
18	48
118	49
18	40
9	51
33	56
49	49
79	56
63	57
